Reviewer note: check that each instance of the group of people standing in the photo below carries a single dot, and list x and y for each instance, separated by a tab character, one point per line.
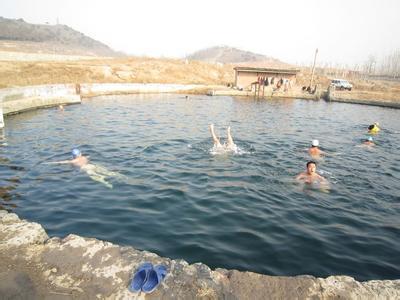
275	83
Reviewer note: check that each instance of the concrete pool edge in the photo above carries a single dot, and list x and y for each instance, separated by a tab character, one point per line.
20	99
34	266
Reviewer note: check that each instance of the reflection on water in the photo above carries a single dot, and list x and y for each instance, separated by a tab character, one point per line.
242	211
8	185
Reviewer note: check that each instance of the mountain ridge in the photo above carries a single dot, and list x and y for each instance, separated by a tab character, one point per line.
56	38
225	54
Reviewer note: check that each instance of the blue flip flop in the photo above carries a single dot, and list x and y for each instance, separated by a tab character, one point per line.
154	278
161	271
141	275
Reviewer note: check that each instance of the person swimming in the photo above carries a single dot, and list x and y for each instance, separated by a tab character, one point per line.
369	141
311	176
314	151
95	172
229	145
374	128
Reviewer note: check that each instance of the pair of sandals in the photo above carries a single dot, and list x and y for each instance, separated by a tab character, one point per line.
147	278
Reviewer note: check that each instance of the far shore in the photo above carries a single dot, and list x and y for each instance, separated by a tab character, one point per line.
17	100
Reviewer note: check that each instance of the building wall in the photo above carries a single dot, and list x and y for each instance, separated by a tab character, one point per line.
245	79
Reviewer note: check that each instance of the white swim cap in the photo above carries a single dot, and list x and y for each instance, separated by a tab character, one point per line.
376	123
370	139
315	143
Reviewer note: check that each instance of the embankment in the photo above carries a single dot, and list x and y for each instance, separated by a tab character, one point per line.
365	98
34	266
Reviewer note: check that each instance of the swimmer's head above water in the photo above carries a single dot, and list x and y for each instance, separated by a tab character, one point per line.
76	153
315	143
311	167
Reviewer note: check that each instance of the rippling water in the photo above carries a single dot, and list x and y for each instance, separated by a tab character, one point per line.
233	211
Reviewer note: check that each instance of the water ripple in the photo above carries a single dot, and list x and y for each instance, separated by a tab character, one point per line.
234	211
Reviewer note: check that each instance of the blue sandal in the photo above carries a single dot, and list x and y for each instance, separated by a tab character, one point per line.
140	277
154	278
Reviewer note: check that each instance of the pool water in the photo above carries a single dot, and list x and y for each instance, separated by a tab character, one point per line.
237	211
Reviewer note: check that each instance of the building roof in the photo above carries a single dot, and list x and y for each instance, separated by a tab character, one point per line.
267	70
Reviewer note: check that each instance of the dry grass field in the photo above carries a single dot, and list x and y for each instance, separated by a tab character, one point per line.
118	70
53	69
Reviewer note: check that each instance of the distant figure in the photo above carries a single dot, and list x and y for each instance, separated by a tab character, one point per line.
310	175
61	107
314	151
279	84
228	146
187	97
285	85
374	128
369	141
95	172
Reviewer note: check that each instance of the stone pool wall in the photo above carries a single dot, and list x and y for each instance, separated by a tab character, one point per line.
94	89
34	266
16	100
338	96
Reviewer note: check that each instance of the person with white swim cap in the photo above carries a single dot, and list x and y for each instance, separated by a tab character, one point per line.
228	146
314	150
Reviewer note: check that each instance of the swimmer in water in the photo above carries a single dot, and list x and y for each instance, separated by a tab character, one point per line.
311	176
314	151
61	107
374	128
228	146
369	141
95	172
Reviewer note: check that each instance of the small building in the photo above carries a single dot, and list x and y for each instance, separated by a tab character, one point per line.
245	76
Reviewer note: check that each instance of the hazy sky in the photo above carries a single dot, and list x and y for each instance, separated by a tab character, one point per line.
344	31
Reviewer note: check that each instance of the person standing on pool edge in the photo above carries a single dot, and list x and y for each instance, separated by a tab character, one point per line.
310	175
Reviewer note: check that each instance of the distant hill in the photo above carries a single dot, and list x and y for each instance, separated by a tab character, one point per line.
51	38
225	54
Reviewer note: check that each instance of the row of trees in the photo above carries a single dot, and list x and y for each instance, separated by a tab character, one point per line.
387	67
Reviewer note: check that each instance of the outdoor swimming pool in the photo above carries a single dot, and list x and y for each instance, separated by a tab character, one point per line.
243	211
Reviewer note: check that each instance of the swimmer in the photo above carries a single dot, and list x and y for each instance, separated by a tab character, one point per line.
374	128
311	176
61	107
228	146
369	141
314	151
77	160
95	172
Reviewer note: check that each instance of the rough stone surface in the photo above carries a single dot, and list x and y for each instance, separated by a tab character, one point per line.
32	266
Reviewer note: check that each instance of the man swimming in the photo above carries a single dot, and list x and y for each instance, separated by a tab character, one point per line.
369	141
310	175
314	151
228	146
374	128
95	172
